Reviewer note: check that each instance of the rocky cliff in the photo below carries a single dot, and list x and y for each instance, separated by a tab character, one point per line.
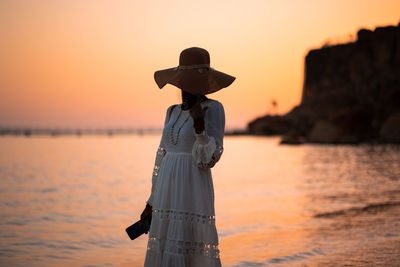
351	93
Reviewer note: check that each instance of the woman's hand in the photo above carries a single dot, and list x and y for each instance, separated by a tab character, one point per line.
198	113
146	212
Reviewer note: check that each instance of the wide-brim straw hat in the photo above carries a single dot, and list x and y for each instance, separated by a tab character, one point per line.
194	74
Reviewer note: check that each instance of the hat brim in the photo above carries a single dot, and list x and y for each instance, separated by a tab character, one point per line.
195	81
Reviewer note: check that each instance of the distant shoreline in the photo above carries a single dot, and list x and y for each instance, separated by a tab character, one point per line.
27	131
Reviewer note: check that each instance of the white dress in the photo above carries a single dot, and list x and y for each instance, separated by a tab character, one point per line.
182	231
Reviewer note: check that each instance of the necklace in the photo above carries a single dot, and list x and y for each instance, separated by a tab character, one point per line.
171	135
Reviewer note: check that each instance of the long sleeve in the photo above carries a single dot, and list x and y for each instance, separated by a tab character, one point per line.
208	147
161	151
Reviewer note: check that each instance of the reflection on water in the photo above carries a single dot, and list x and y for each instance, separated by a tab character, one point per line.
67	200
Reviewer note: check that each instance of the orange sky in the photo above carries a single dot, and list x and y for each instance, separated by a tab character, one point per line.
91	63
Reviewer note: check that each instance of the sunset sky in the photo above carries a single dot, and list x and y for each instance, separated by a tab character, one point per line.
91	63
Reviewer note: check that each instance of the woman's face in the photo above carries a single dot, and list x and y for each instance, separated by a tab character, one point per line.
194	79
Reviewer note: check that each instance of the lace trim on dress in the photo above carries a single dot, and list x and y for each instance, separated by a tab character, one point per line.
183	247
184	216
206	155
161	151
214	158
202	152
160	154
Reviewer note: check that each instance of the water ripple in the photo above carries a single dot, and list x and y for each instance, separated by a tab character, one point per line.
371	208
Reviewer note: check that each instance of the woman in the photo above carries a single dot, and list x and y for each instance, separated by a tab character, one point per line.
181	203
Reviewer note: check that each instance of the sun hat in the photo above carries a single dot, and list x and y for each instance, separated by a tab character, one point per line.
194	74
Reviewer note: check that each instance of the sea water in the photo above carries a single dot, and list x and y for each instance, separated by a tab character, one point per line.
66	201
